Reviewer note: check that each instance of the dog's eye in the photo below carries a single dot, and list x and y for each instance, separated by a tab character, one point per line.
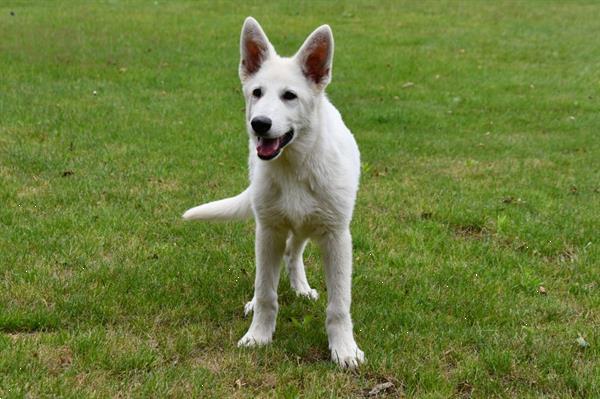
289	95
257	93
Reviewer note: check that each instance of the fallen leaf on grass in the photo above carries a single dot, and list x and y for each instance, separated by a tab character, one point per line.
407	85
379	388
542	290
239	383
582	342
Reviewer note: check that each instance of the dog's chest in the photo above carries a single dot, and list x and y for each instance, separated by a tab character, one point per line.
296	201
292	203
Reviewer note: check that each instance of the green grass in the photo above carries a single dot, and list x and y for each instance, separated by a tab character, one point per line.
480	184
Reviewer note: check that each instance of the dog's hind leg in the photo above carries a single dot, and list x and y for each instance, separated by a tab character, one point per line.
295	266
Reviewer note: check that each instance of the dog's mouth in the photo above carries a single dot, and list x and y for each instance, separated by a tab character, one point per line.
267	149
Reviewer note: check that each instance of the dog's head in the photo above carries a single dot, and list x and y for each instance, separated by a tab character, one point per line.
282	93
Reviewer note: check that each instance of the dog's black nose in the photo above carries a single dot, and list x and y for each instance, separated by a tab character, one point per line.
261	124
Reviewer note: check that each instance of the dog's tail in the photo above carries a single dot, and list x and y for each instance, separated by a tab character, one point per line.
237	207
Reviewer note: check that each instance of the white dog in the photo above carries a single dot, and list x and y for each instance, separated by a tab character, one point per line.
304	172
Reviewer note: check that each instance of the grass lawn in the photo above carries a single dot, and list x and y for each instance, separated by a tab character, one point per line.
476	253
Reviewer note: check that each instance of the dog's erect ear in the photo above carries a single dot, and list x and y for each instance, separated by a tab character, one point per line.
316	56
254	48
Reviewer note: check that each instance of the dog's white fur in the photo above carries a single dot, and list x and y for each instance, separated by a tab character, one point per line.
307	191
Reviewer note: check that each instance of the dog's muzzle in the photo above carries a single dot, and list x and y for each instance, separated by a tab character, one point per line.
268	148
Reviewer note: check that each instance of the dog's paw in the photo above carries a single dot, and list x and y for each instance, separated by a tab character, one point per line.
309	293
301	288
252	338
347	356
249	307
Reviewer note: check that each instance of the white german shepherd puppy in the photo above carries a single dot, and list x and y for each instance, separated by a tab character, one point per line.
304	171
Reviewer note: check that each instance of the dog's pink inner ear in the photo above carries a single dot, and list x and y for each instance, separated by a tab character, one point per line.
316	54
253	56
316	65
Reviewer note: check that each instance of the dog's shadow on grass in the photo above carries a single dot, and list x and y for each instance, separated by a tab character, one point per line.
301	328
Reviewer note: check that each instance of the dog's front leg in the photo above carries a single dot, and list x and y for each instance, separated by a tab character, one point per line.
337	253
270	245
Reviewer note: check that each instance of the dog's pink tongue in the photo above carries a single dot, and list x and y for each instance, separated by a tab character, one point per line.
267	147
